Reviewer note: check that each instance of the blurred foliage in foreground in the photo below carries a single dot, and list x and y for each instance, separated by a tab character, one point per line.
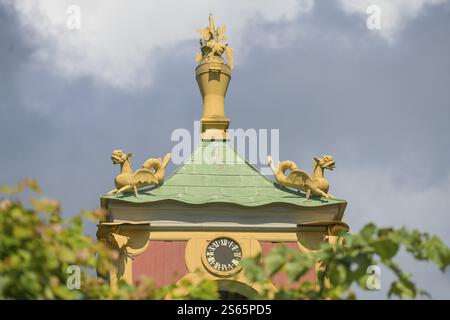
37	246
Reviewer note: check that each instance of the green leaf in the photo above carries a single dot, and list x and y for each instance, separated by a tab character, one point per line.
298	268
385	248
275	260
438	252
403	288
368	231
253	269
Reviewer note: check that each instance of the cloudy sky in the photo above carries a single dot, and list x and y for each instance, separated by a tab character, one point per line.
377	100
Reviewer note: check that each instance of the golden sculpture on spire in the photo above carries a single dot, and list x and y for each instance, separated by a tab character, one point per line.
212	43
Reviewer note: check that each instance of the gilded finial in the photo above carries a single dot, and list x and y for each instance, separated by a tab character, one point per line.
212	43
211	23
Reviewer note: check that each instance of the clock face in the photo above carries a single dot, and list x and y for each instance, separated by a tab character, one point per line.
223	254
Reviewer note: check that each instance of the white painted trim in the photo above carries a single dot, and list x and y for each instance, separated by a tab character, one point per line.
170	215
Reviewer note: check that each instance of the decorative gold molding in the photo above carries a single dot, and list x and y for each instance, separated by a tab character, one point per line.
128	243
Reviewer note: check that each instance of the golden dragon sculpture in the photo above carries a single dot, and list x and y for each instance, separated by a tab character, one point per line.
297	179
152	172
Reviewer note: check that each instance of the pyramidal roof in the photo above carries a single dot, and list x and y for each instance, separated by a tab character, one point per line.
216	173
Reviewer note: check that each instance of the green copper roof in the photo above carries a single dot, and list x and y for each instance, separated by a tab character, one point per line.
216	173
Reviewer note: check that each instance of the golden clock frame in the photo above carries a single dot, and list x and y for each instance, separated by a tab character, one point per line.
219	273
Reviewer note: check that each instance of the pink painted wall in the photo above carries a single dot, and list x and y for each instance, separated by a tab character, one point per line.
163	261
280	279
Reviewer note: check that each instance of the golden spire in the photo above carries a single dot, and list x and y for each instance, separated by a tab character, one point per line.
211	23
213	75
